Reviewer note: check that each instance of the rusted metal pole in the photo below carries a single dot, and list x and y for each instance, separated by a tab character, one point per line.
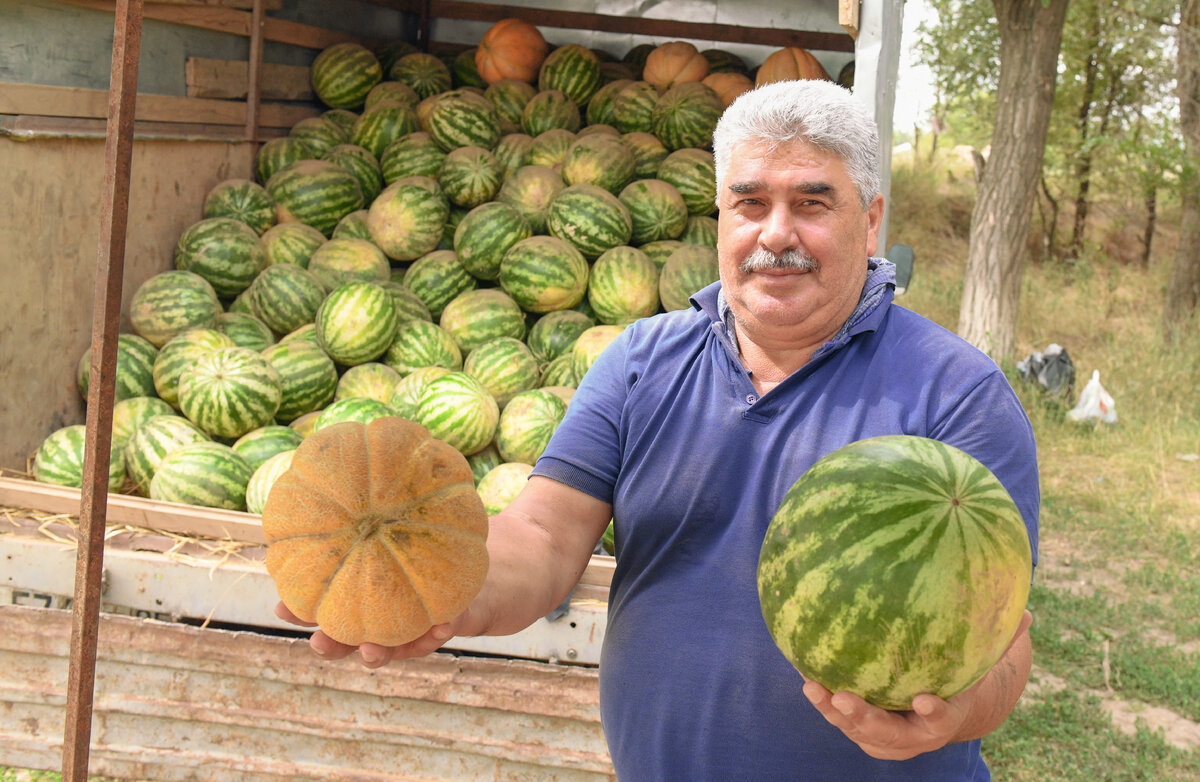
106	319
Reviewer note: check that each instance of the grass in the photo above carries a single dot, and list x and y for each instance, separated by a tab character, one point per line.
1117	594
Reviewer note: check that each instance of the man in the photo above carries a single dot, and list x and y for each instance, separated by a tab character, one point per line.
689	430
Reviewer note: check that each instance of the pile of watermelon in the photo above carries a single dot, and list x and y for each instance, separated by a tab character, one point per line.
431	246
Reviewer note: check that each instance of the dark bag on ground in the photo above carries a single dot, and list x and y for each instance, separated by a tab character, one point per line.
1051	368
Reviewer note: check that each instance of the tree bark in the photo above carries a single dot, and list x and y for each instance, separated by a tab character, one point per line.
1083	166
1151	202
1030	39
1183	288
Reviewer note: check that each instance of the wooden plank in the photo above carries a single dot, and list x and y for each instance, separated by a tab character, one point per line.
848	11
268	5
29	127
229	79
51	101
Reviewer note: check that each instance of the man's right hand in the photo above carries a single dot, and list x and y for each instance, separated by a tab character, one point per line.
371	655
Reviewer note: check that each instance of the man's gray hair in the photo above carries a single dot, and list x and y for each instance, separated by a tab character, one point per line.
819	112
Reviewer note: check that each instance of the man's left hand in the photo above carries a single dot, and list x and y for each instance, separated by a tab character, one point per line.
889	735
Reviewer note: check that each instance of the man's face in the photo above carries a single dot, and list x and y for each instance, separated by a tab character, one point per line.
793	240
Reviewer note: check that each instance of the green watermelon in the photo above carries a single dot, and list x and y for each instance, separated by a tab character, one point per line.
437	278
305	333
353	408
229	391
425	73
549	148
360	162
659	251
343	74
413	154
308	378
600	106
573	70
285	297
480	315
501	484
354	226
512	152
633	107
550	110
407	392
292	243
590	344
483	462
391	90
686	115
264	477
316	193
687	270
560	372
356	322
458	409
391	51
279	153
722	61
470	176
485	234
530	189
693	172
373	380
381	125
505	366
340	261
242	200
463	119
305	424
320	133
407	219
648	153
152	440
894	566
590	218
258	445
343	118
129	414
544	273
59	459
418	344
172	302
623	286
246	330
208	474
599	159
656	209
135	368
553	334
408	304
180	353
526	424
464	70
700	229
224	251
509	97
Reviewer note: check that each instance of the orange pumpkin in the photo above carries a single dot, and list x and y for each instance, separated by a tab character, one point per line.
673	63
788	64
511	49
728	86
376	532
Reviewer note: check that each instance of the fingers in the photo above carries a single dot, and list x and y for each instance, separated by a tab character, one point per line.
883	734
375	655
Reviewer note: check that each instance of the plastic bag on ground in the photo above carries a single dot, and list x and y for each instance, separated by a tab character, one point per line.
1051	368
1095	403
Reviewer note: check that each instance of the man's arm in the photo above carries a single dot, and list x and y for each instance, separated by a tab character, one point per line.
538	547
933	722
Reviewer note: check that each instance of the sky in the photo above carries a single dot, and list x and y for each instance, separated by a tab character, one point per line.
914	90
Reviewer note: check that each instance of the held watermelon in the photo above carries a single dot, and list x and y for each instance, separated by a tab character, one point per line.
895	565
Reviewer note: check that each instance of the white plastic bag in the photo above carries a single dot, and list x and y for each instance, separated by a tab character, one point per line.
1095	404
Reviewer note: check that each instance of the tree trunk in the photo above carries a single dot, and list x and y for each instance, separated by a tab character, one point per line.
1051	240
1151	224
1183	289
1083	166
1030	39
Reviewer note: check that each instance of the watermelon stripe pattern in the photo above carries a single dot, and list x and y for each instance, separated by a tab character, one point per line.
572	69
181	353
463	120
590	218
686	115
356	323
316	193
135	368
242	200
527	423
59	459
258	445
264	477
693	172
419	344
457	408
855	570
343	74
171	303
623	286
230	391
291	243
152	441
208	474
307	378
505	366
286	297
485	234
478	316
544	273
408	218
354	408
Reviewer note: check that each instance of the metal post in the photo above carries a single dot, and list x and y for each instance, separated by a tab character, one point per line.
106	316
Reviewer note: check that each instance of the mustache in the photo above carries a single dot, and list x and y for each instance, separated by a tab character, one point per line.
761	260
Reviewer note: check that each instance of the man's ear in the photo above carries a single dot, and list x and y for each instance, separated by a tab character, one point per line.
874	222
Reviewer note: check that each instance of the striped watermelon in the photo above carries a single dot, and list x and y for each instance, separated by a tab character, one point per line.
599	159
246	330
694	174
208	474
59	459
477	316
340	261
648	153
135	368
457	409
308	378
258	445
470	176
391	90
242	200
505	366
343	74
464	71
658	252
501	484
172	302
224	251
544	273
240	303
550	110
151	441
572	69
463	119
408	390
180	353
129	414
356	322
279	153
353	226
420	344
381	125
306	333
292	243
590	345
437	278
285	297
590	218
407	219
526	424
391	51
512	152
553	334
656	209
343	118
600	106
633	107
373	380
508	97
686	115
305	424
484	461
485	234
360	162
316	193
530	189
700	229
230	391
549	148
895	565
353	408
560	372
687	270
408	304
264	477
425	73
320	133
623	286
413	154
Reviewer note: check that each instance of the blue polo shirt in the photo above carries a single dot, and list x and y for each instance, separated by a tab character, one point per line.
668	427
